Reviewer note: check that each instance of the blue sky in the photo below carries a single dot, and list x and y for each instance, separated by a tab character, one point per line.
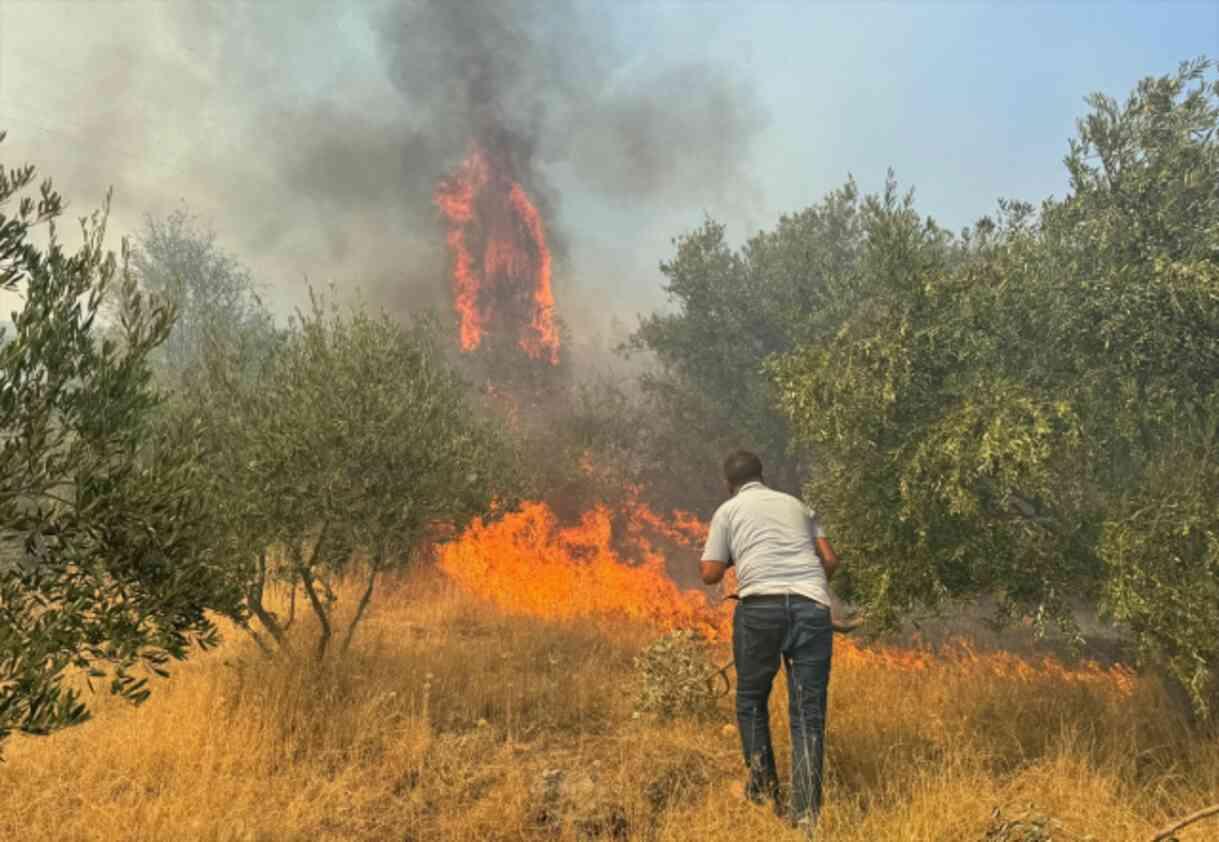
968	102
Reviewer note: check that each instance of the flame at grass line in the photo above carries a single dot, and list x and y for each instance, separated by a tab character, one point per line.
528	563
500	260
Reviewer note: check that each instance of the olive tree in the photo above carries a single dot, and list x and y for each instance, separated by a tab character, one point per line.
1029	412
103	561
1141	233
731	310
355	441
215	299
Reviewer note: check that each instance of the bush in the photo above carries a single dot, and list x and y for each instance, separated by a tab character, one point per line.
677	676
1028	826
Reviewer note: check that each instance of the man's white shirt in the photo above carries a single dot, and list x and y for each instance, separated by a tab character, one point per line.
771	539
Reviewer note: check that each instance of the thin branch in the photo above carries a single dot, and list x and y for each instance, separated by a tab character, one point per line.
311	591
261	581
1171	831
291	603
264	616
317	545
32	494
320	611
262	644
375	568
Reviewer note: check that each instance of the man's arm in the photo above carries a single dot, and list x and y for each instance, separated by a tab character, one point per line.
717	554
829	559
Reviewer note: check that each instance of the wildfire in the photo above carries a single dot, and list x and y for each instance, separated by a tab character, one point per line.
528	563
500	261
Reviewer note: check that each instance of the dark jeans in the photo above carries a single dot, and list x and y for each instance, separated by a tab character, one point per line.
798	630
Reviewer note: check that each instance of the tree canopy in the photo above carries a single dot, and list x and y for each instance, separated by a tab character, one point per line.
733	310
1030	412
1025	411
355	437
215	299
101	534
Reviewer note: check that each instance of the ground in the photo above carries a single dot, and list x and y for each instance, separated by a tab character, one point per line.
451	721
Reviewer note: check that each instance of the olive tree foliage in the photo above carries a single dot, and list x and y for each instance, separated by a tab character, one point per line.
353	442
102	567
1032	413
731	311
215	298
1145	177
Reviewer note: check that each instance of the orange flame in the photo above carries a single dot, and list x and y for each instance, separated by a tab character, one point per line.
455	198
490	215
527	563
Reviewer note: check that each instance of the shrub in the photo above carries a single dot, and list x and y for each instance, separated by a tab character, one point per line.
676	676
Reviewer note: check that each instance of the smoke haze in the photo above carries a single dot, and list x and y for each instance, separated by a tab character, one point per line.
311	134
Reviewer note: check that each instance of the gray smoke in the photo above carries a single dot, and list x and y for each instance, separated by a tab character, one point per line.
311	134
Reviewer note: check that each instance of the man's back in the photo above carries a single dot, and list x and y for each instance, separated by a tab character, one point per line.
784	616
770	537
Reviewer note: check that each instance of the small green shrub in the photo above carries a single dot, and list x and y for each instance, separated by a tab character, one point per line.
676	676
1029	826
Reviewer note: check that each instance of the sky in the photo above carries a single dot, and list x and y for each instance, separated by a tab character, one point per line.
307	134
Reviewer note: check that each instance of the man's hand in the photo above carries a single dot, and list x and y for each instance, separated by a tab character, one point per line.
712	571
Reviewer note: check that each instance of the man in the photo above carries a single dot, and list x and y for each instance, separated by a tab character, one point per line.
783	566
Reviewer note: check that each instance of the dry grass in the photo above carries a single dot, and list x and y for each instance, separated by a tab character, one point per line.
442	723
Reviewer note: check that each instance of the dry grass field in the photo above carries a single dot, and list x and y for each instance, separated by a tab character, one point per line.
452	721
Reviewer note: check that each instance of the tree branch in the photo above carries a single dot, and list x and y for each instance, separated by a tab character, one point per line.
375	568
310	591
257	638
291	603
264	616
1171	831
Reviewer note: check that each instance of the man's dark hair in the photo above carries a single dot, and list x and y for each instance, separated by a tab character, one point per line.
741	467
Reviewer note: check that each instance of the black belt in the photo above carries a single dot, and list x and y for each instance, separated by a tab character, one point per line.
775	598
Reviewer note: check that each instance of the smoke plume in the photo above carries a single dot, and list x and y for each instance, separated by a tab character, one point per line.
311	134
